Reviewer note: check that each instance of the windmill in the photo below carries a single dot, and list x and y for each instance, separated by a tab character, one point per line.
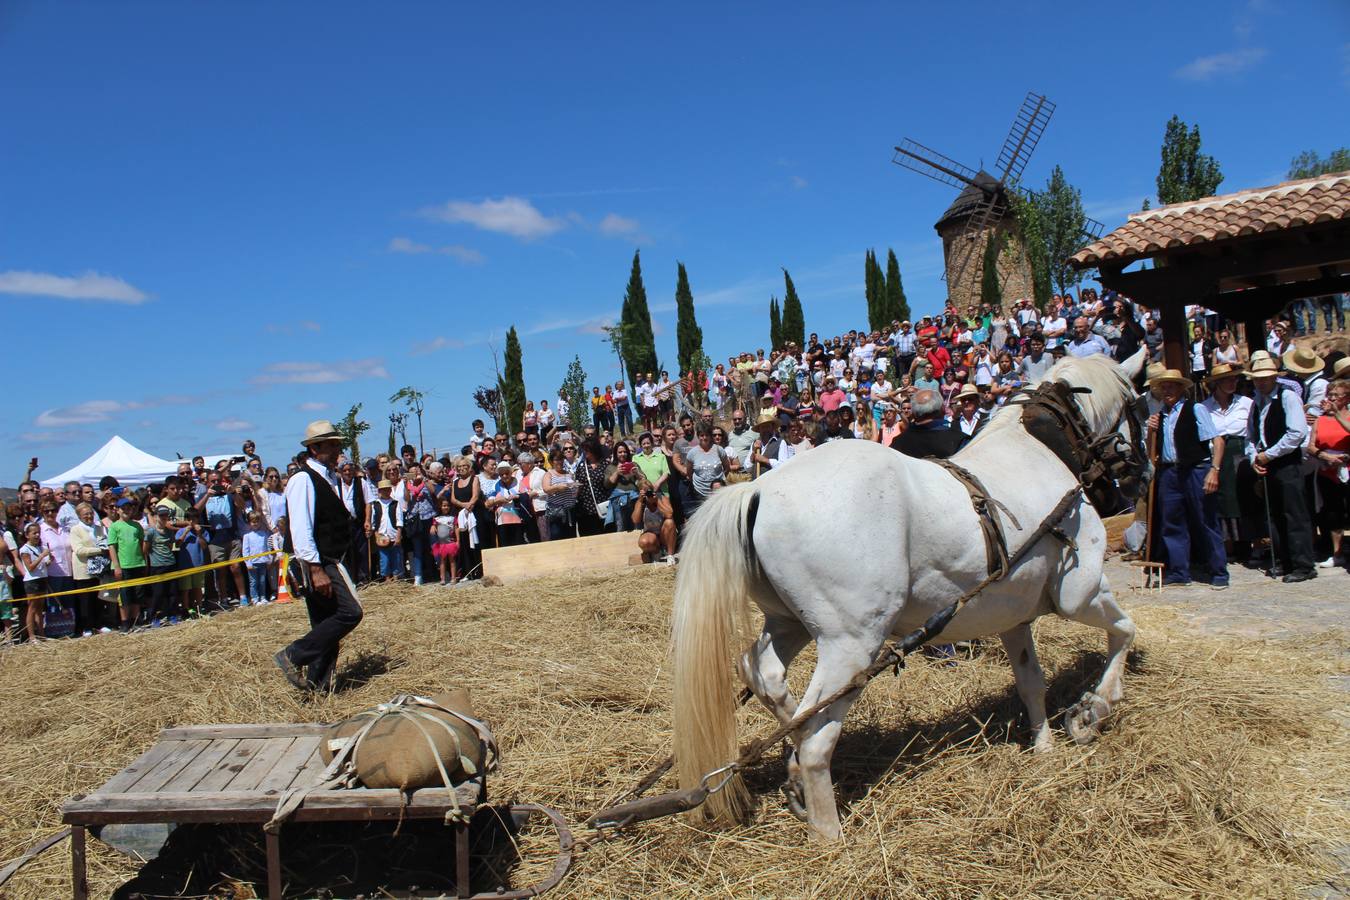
981	206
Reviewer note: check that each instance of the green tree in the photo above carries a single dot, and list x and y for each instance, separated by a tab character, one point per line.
1309	164
688	336
574	389
399	423
794	323
489	400
511	383
897	305
415	402
351	428
635	320
870	288
393	447
1185	174
1060	208
775	325
1031	229
991	291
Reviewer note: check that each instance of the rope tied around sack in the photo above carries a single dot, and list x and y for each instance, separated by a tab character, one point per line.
341	772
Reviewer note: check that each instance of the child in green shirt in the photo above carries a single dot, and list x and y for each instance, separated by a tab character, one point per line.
126	538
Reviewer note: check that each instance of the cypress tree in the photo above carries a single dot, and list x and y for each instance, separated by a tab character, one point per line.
794	323
512	383
688	336
870	288
639	343
775	325
897	306
991	291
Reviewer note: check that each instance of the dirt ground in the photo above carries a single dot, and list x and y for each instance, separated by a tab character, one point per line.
1223	775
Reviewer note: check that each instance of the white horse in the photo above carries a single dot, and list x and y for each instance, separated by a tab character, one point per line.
853	543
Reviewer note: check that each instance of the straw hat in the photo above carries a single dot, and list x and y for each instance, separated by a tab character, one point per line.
767	417
319	431
1303	361
1222	370
1341	369
968	390
385	483
1153	370
1261	368
1170	376
1261	354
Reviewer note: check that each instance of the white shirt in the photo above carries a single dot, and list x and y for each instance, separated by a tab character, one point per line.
391	518
1053	327
348	492
1230	422
300	506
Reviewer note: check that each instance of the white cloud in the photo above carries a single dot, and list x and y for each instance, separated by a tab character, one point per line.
67	436
234	425
1207	68
89	286
292	327
798	182
615	225
515	216
312	406
84	413
321	372
466	255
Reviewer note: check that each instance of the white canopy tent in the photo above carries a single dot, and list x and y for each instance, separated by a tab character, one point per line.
131	466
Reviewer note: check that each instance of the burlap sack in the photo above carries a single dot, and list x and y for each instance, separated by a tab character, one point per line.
395	754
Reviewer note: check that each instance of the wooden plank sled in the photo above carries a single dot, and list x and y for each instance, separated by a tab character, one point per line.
224	774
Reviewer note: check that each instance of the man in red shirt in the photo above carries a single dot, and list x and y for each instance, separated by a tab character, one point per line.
940	358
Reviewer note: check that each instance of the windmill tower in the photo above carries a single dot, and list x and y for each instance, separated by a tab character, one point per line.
982	211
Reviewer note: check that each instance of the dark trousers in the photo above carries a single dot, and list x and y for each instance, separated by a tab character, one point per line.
359	556
1292	538
1190	517
331	619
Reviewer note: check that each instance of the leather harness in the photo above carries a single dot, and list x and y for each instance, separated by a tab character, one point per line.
1051	416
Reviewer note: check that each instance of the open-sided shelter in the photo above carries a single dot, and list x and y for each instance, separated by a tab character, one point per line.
1244	255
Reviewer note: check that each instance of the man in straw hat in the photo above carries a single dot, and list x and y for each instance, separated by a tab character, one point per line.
1190	452
764	452
1276	431
1307	367
317	539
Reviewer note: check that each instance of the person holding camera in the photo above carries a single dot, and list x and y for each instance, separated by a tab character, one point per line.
217	507
654	515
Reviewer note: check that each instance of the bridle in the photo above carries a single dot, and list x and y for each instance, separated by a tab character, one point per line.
1099	462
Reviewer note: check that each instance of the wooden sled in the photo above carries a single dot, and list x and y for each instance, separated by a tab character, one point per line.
229	774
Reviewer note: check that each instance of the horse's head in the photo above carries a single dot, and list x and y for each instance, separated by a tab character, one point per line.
1107	432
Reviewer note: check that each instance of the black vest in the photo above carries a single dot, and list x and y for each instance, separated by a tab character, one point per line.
1276	426
332	522
1191	451
358	501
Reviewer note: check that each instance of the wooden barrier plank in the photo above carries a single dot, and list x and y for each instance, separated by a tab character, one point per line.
260	765
601	551
231	765
239	732
183	753
133	773
200	767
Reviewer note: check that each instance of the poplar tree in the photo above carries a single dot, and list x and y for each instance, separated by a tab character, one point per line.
897	306
775	325
639	342
1185	174
794	323
688	336
511	384
578	398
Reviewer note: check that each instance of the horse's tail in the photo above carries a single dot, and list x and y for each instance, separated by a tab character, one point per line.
717	575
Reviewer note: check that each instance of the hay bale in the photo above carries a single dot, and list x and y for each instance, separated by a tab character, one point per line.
1223	773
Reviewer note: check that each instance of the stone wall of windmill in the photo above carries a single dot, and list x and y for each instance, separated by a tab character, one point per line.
1014	268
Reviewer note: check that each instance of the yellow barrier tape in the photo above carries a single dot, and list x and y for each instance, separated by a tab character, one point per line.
152	579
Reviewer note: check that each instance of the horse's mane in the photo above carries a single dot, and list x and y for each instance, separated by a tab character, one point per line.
1106	379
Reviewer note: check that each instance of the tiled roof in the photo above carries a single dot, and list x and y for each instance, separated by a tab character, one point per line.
1292	204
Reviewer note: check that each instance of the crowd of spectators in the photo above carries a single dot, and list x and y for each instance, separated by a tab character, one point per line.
644	460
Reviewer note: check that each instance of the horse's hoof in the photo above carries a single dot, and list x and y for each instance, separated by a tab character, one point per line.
1083	720
796	799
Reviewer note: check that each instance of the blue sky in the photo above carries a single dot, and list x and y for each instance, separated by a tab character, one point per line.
224	220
